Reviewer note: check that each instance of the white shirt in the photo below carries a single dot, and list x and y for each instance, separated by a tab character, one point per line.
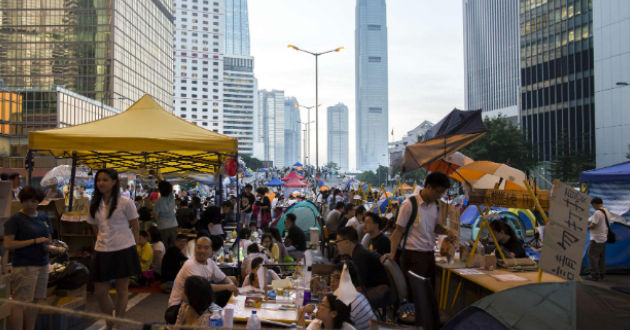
422	233
210	271
215	229
365	241
114	233
354	223
158	253
599	233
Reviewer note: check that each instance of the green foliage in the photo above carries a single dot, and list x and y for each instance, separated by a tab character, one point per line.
333	166
368	177
416	175
503	143
252	162
568	163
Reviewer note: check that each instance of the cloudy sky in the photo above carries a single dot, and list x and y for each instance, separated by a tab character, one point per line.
426	67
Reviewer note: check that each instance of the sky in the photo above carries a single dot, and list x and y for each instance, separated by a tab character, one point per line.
425	49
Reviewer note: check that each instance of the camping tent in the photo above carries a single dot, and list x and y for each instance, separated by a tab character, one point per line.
145	136
612	185
295	183
275	182
292	175
306	214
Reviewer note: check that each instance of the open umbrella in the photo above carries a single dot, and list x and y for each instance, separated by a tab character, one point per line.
61	175
455	131
449	163
484	175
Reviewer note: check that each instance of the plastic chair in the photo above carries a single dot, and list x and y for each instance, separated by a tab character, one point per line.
427	313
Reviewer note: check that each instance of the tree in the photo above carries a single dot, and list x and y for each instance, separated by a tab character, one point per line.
568	163
416	175
382	173
333	166
503	143
368	177
252	162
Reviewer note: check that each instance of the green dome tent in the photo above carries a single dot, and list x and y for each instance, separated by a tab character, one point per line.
306	214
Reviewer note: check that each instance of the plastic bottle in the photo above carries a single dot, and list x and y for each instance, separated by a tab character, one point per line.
253	322
215	320
293	326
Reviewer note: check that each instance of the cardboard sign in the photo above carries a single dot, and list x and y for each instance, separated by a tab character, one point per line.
454	220
519	199
565	234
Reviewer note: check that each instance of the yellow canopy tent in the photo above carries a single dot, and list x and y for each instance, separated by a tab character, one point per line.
145	136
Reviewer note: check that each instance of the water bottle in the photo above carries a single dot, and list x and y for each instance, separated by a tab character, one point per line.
293	326
215	320
253	322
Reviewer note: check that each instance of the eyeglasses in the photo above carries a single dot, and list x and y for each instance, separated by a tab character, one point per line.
340	240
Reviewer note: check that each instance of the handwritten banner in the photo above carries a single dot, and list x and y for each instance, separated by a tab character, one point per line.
565	234
508	198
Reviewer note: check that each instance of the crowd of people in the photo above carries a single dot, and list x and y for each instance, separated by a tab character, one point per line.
179	240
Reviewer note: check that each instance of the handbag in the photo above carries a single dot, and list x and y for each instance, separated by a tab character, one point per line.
612	238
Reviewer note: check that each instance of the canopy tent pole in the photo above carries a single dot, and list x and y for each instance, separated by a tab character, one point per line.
238	217
73	174
29	166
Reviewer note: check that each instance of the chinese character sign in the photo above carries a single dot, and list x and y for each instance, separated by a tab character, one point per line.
565	234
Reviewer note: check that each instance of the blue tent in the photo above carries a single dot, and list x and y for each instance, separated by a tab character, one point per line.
262	170
351	181
383	203
612	185
297	164
618	253
275	182
471	213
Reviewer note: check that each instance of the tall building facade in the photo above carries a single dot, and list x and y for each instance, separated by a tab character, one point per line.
491	57
337	137
557	85
111	52
371	86
239	90
292	134
198	42
271	126
611	37
236	28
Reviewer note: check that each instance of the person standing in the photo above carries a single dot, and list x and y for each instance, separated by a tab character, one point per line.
15	185
296	240
263	204
417	226
27	233
598	226
115	221
247	204
165	213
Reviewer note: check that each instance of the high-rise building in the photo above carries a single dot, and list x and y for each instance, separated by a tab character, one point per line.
337	125
491	57
371	87
292	140
557	88
271	125
198	84
81	56
236	28
611	37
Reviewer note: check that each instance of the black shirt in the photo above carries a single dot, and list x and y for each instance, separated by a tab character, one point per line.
251	199
380	244
371	271
144	213
297	237
25	227
185	216
515	246
172	262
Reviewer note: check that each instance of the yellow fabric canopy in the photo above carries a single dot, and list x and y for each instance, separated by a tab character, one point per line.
145	136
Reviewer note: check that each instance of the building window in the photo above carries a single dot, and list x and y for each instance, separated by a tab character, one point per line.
375	110
374	27
374	59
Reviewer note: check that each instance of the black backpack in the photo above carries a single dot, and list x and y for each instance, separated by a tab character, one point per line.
612	238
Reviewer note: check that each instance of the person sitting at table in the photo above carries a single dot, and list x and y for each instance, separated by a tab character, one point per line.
360	310
197	302
283	255
269	248
253	279
509	243
374	238
332	313
201	265
296	240
172	262
253	252
371	270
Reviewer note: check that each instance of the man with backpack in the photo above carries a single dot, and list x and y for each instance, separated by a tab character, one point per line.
417	226
599	226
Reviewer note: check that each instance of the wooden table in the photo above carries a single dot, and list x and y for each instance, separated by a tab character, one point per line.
268	312
477	286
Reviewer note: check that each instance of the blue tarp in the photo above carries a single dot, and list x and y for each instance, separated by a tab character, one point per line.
618	172
471	213
275	182
297	164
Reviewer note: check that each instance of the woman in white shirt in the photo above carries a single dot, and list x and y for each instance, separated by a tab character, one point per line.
115	220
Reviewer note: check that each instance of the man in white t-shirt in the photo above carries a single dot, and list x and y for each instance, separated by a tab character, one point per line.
598	238
416	253
200	265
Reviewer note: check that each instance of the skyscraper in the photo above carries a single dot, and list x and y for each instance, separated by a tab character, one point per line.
239	105
371	87
491	57
236	28
271	125
292	146
199	62
611	36
557	103
337	125
69	61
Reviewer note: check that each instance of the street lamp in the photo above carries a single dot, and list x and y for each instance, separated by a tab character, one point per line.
307	140
316	97
308	122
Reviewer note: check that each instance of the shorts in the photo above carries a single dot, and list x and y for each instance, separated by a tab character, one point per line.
29	282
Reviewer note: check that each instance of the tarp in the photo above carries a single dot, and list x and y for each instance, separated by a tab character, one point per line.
617	172
144	136
455	131
292	175
297	164
306	214
295	183
471	213
275	182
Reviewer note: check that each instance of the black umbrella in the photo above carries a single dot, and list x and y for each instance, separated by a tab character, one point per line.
455	131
